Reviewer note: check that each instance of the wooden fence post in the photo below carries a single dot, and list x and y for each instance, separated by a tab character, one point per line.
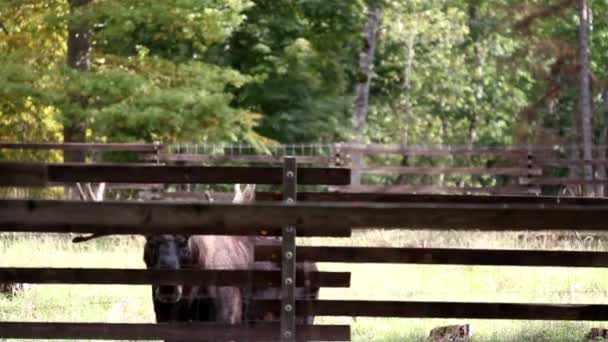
288	268
530	166
157	148
336	154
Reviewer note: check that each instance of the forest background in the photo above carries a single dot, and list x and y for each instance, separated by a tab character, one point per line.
417	72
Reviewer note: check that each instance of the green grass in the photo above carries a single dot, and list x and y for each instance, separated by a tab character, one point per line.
376	282
75	303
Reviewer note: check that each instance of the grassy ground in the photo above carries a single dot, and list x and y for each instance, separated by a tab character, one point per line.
382	282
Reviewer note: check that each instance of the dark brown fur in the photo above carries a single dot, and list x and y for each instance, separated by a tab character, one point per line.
184	306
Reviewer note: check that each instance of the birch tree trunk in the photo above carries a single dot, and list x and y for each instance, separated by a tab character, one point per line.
78	58
479	91
585	96
479	69
405	106
366	62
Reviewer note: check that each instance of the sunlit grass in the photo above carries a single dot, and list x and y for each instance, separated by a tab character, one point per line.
375	282
75	303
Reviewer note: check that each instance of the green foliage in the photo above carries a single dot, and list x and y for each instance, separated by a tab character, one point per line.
303	55
176	30
478	72
441	96
148	79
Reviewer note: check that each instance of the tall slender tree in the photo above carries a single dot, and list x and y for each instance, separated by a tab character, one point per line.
366	63
585	94
78	58
479	65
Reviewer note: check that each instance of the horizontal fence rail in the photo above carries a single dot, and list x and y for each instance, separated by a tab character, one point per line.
432	151
321	219
39	174
209	158
169	331
125	218
561	181
421	198
396	189
441	256
563	163
166	277
419	309
83	146
438	170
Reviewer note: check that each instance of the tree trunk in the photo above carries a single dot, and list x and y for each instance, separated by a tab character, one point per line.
479	62
366	62
78	58
445	161
602	140
474	30
585	96
405	106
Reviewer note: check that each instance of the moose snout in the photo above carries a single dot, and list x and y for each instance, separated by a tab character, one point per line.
168	294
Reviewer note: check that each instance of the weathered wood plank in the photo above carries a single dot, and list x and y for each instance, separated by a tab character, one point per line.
83	146
148	173
418	309
494	190
237	158
442	256
318	219
433	151
412	170
565	162
23	174
124	218
560	181
168	331
427	198
167	277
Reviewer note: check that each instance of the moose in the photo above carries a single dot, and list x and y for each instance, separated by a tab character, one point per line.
231	305
221	304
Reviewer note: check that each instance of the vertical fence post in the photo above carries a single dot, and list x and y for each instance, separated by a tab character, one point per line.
336	153
532	188
288	314
157	151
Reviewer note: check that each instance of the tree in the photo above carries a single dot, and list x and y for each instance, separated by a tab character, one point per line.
585	96
366	62
302	57
147	77
80	34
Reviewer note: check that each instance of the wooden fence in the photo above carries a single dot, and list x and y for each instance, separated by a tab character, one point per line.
527	170
161	219
501	171
313	214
